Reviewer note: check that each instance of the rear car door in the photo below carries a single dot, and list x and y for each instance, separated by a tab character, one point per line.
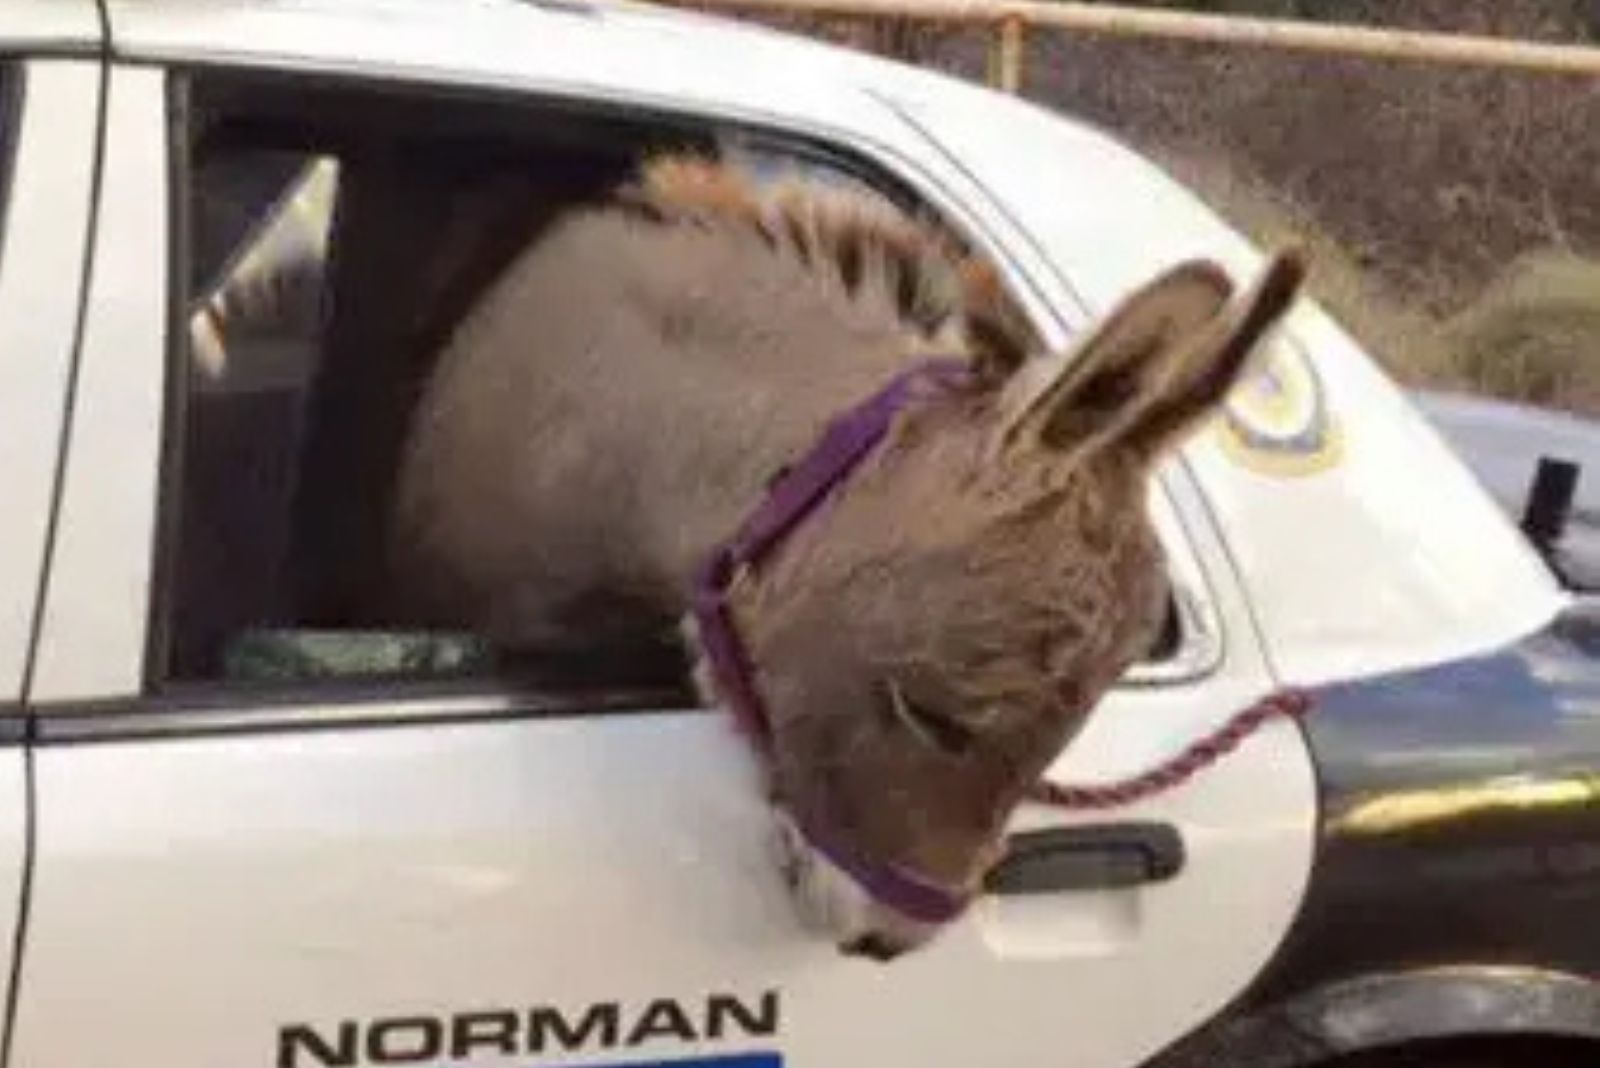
264	843
49	97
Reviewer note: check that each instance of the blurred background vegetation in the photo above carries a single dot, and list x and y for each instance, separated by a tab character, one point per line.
1454	213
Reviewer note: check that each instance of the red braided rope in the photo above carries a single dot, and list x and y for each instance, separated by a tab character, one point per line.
1288	704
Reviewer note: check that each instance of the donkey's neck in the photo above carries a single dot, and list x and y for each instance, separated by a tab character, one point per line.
771	330
768	419
615	407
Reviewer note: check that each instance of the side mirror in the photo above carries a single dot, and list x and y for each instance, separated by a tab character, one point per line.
1548	509
1544	517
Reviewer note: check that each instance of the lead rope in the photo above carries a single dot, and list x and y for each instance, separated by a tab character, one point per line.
1286	704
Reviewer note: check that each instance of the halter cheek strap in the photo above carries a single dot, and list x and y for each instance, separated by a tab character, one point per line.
795	494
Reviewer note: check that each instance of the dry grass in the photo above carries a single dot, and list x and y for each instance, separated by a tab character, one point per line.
1414	188
1534	334
1406	340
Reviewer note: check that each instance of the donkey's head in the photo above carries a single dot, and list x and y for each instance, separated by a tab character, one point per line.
929	642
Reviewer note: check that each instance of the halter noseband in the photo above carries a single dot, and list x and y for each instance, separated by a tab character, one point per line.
797	492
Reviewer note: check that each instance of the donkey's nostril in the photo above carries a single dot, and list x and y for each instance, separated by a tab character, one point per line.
873	946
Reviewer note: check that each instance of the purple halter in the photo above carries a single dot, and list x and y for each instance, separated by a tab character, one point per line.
791	497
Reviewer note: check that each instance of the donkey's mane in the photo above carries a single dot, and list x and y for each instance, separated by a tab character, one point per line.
852	239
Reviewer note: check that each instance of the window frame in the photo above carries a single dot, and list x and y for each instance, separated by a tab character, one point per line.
1201	646
13	103
54	112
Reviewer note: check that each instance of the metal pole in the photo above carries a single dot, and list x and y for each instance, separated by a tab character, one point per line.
1006	53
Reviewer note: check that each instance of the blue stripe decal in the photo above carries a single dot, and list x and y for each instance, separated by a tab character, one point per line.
735	1060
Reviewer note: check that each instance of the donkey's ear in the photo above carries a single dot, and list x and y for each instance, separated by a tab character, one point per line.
1119	362
1204	370
1163	360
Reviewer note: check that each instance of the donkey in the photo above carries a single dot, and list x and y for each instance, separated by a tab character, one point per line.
936	632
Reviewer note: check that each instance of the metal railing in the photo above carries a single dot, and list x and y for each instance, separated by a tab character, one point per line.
1010	20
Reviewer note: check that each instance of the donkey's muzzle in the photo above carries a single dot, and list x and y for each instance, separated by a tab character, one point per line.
873	946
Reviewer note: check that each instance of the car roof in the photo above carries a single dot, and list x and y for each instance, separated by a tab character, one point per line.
54	26
593	49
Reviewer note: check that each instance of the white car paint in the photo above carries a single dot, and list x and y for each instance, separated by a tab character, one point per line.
51	144
195	891
41	266
50	27
93	638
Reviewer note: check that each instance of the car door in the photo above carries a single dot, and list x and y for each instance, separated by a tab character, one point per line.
48	110
416	871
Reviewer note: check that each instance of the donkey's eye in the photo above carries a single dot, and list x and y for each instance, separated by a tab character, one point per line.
932	729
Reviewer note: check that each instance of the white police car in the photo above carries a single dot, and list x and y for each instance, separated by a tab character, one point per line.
228	837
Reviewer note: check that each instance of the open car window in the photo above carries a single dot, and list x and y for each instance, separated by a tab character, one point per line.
332	238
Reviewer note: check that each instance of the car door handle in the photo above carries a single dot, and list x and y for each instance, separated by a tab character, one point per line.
1100	857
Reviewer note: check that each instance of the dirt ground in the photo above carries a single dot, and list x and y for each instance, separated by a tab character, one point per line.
1453	212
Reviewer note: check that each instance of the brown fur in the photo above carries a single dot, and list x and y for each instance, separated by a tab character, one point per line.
618	401
863	245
